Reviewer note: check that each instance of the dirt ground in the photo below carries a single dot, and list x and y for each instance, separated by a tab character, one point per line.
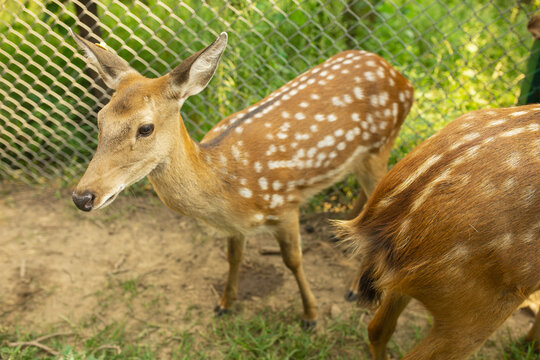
62	267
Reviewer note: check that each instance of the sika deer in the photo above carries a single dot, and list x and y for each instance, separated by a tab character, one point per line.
455	225
253	169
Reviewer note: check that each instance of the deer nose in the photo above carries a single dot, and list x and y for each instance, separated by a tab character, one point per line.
84	201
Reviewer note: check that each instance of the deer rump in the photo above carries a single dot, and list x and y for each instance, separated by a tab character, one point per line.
459	214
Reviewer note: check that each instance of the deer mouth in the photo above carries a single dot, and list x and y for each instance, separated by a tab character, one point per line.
110	198
107	202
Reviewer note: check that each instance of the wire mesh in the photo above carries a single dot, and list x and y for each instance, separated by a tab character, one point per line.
459	55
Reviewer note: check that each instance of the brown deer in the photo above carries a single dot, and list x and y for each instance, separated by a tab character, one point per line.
254	168
456	225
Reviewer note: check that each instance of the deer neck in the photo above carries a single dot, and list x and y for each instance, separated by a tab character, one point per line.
187	181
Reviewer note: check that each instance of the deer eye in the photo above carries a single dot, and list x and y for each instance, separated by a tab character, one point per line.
145	130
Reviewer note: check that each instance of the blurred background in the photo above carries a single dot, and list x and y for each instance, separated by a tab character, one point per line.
459	55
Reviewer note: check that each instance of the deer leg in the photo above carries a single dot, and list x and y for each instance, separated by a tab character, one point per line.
534	333
235	249
383	324
288	237
368	177
458	331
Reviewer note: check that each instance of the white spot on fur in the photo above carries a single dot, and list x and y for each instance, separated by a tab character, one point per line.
336	101
319	117
314	96
533	127
519	113
358	93
331	117
496	122
339	132
420	170
355	117
383	98
299	116
263	183
236	152
513	132
277	200
327	141
300	136
259	217
369	76
245	192
257	166
304	104
272	149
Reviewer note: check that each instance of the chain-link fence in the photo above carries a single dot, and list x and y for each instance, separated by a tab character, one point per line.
459	55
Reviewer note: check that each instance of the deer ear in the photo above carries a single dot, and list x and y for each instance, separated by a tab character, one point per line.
194	73
111	67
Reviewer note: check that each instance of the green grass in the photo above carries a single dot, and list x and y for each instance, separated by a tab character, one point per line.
265	335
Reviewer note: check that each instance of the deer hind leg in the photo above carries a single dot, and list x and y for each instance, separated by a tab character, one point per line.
368	177
383	324
458	331
534	333
235	250
288	237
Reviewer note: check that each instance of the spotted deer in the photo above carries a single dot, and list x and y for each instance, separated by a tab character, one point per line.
455	225
254	168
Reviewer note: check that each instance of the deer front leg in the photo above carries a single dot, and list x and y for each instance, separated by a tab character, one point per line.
288	236
235	250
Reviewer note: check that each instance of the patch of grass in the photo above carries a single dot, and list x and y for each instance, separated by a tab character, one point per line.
267	334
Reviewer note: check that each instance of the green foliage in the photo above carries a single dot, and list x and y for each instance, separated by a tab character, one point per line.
459	55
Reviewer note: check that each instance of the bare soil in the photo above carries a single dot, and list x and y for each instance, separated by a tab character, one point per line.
139	263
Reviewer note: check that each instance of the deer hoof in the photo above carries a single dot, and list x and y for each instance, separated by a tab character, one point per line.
351	295
221	311
308	325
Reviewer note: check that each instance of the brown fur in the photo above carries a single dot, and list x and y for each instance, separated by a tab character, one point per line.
463	237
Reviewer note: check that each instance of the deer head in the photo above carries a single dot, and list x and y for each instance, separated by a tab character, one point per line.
137	126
